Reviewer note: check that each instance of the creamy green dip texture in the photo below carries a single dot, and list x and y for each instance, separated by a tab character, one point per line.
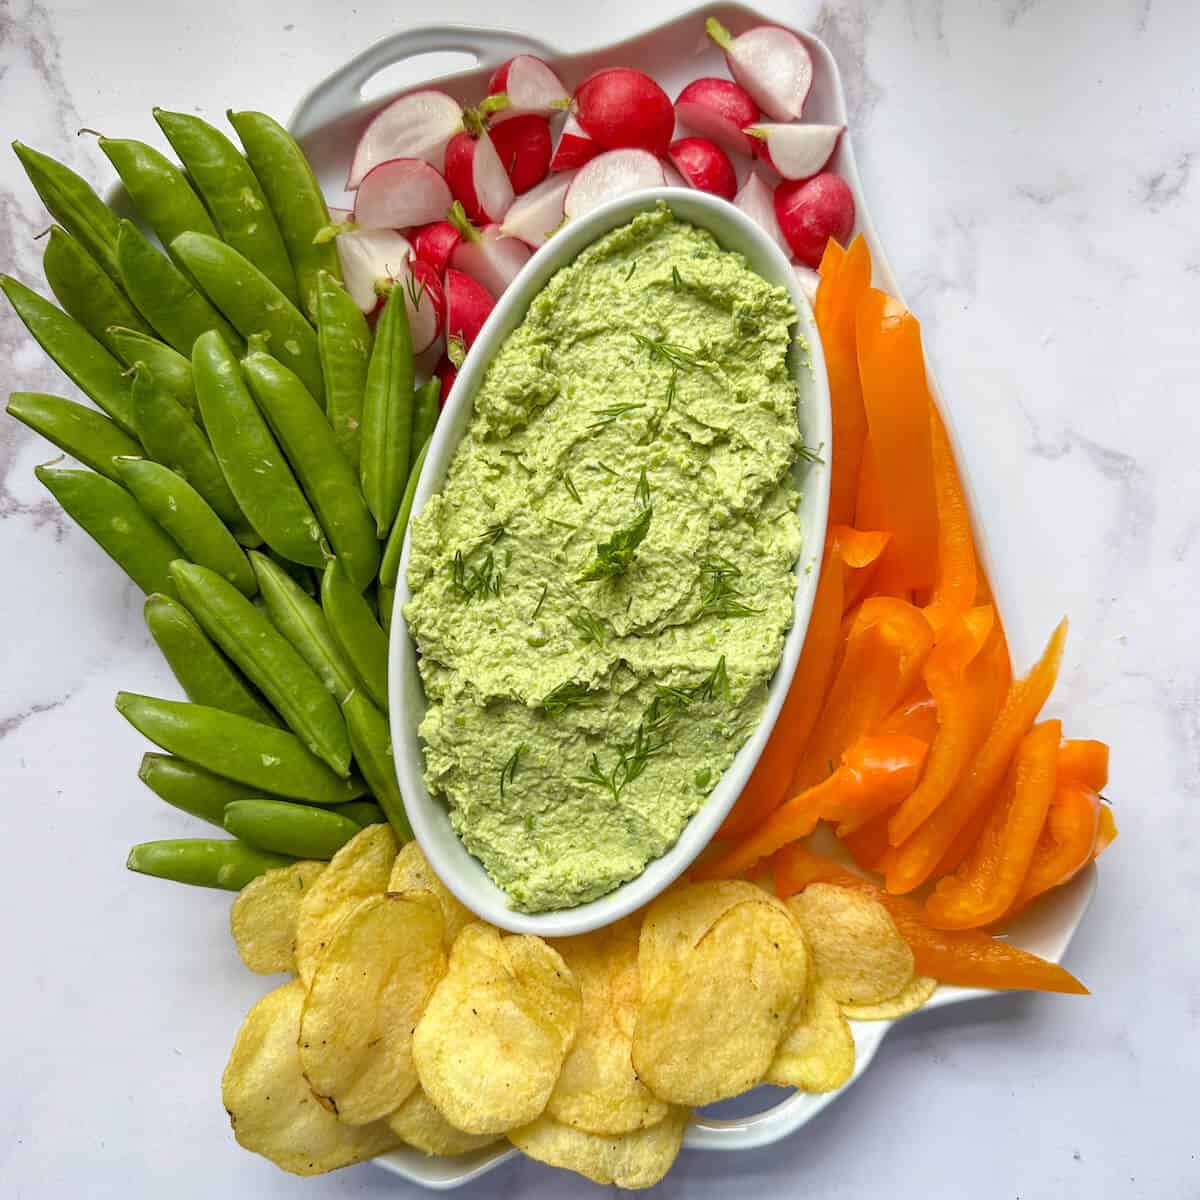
602	589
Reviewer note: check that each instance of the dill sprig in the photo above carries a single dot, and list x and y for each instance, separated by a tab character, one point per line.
642	492
569	695
537	608
472	579
491	535
677	356
591	628
715	686
416	291
608	415
722	599
676	279
632	268
809	455
569	484
509	771
614	556
601	466
562	524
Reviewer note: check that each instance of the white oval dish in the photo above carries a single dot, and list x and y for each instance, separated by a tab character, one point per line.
457	868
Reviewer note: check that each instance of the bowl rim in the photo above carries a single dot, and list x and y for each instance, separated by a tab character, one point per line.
460	871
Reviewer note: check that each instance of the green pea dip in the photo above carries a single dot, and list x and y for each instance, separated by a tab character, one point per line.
601	592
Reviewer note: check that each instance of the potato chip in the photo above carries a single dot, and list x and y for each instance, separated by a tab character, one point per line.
366	996
817	1055
358	870
630	1160
418	1123
270	1106
709	1027
598	1090
912	997
486	1053
548	982
411	872
263	917
858	953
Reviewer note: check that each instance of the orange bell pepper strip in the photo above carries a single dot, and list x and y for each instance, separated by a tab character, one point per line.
1085	761
956	581
915	859
966	957
869	844
768	783
896	399
869	511
859	550
876	773
916	716
987	884
1106	834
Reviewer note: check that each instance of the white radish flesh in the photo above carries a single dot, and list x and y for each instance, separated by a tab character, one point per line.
416	126
491	257
614	173
401	192
757	201
369	256
531	87
493	188
537	214
808	279
771	63
424	301
797	151
573	148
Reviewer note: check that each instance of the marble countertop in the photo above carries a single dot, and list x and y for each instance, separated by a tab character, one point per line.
1033	167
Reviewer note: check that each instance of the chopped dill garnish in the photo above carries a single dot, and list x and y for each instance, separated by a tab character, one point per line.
562	524
716	685
509	771
609	415
677	356
723	597
537	608
676	279
491	535
809	455
591	628
471	579
569	695
569	484
642	492
632	268
600	466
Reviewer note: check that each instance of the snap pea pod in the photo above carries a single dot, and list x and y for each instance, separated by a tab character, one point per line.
118	523
425	415
344	343
389	567
232	194
284	828
300	619
387	413
260	756
295	198
192	789
327	477
204	862
204	673
160	191
170	369
356	631
84	289
81	432
254	305
84	360
74	205
189	519
305	578
387	602
372	743
250	458
268	660
164	295
362	812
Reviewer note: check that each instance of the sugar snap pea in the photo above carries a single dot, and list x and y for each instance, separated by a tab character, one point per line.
344	342
84	360
294	197
372	743
118	523
327	477
192	789
170	369
164	295
204	673
81	432
356	631
362	812
387	413
250	458
84	289
267	659
425	415
301	620
387	602
74	205
254	305
274	760
204	862
232	193
188	518
389	567
284	828
305	578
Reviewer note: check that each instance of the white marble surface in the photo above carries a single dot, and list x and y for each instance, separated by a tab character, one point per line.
1033	170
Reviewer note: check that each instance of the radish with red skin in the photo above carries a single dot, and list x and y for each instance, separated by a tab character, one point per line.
704	165
811	211
757	200
672	177
399	193
468	304
614	173
530	86
476	175
418	125
808	280
523	144
796	151
771	63
720	110
574	147
625	109
432	243
447	373
537	214
425	301
369	258
487	254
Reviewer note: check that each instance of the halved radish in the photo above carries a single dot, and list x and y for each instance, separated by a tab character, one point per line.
477	176
530	85
418	125
672	177
369	258
447	373
488	255
757	201
625	109
704	165
614	173
808	280
796	151
574	147
811	211
771	63
425	301
720	110
523	145
399	193
468	304
339	216
537	214
432	243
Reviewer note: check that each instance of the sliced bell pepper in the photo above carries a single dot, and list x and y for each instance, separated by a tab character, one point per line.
859	550
916	716
869	844
1106	834
956	580
869	510
1085	761
915	859
987	884
966	957
876	774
